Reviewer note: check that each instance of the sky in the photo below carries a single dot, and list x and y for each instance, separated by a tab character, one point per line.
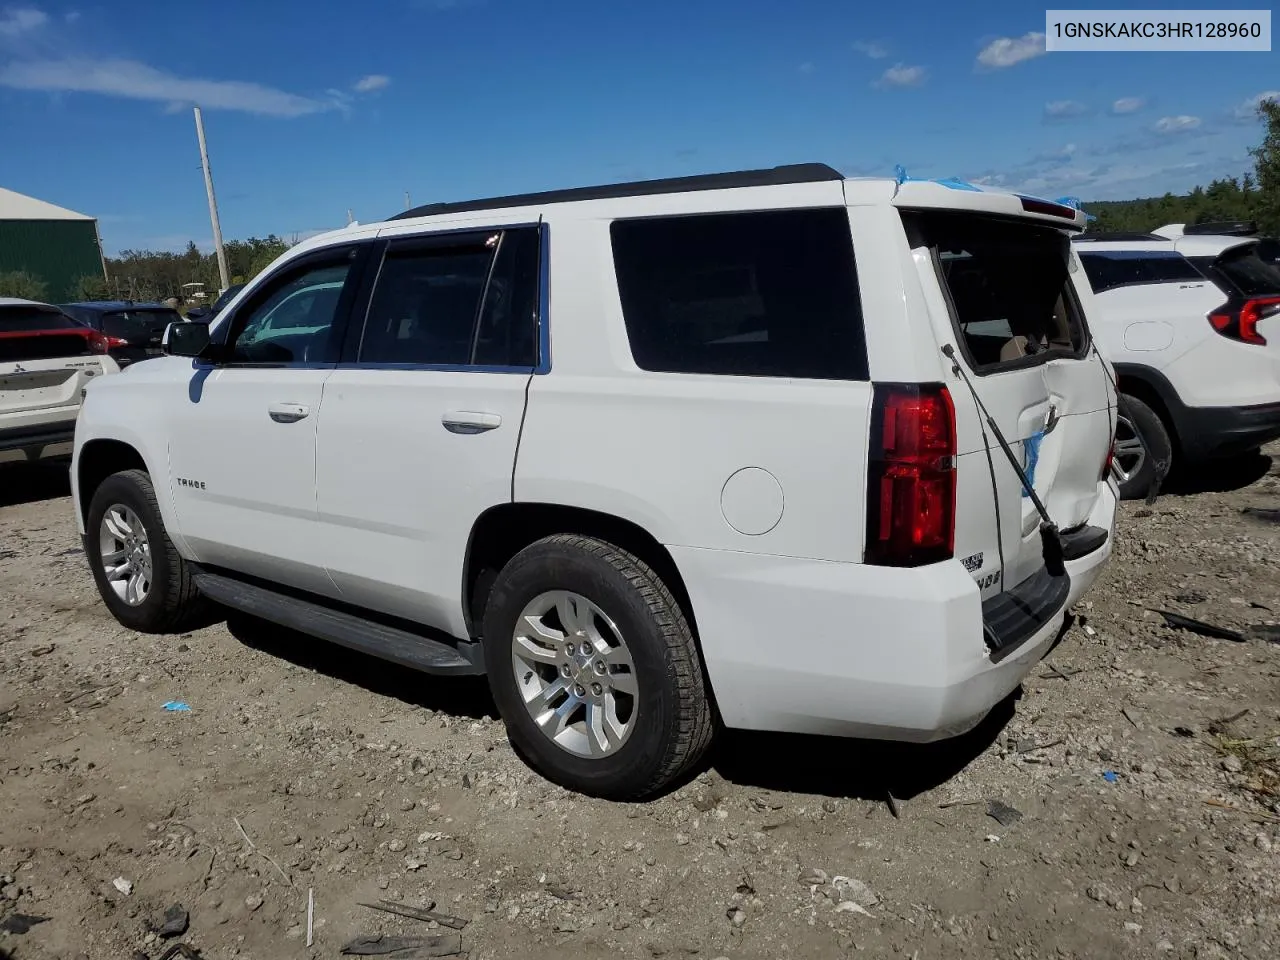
313	108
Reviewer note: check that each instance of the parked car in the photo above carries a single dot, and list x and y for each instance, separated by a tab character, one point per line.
768	450
138	327
1192	325
211	311
46	361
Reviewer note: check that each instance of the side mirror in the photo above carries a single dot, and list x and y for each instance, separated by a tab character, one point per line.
189	338
198	313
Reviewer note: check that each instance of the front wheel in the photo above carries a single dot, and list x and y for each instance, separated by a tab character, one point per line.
1143	448
594	669
143	581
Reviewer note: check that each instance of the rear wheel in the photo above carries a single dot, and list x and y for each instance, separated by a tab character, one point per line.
594	669
143	581
1143	448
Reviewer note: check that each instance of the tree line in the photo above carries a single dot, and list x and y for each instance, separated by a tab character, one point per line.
1253	196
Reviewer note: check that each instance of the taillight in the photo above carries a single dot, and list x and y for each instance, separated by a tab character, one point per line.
1242	324
1111	459
101	343
911	485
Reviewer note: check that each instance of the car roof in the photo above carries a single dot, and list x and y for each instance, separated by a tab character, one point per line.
1154	245
109	306
1209	245
19	302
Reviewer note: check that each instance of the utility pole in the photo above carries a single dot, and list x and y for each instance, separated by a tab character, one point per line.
213	204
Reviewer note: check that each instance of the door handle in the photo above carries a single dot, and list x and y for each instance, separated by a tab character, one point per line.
288	412
470	421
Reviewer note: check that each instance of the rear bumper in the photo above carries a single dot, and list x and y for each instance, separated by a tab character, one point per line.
32	442
1228	431
808	646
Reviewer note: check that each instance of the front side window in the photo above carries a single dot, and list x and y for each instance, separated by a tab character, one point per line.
1008	286
468	301
762	294
292	319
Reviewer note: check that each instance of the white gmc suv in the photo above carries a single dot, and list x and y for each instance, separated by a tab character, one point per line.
773	450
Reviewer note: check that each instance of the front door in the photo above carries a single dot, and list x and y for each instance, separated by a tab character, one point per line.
243	438
418	433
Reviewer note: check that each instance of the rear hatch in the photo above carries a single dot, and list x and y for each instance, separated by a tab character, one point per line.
1001	289
1251	284
46	358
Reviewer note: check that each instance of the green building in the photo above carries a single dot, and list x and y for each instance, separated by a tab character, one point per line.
56	245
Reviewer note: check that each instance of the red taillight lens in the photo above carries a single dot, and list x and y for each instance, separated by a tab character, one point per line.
1242	324
911	486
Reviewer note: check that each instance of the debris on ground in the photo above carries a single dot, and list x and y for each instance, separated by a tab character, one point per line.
20	923
405	948
174	923
1179	622
124	886
1002	813
426	914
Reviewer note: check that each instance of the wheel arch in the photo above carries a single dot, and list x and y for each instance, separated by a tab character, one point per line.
99	459
1154	389
504	530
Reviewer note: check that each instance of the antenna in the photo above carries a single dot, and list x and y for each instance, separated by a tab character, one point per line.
350	218
213	203
406	200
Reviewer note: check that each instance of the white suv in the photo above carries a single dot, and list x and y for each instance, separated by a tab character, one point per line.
46	361
653	457
1192	325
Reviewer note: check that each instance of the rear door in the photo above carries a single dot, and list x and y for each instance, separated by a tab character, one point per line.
1005	297
46	359
418	426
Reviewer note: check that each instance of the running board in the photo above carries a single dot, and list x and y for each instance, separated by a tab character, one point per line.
388	643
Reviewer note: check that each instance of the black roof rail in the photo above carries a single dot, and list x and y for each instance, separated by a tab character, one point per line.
1119	235
1222	228
773	176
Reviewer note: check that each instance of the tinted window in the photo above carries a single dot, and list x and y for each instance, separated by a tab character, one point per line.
769	294
136	325
291	319
467	302
1109	269
22	319
1008	285
1247	273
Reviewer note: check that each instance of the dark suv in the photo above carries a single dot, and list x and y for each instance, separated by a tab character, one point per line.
140	325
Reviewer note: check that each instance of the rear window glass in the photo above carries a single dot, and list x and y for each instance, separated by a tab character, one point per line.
24	319
137	324
1247	273
1108	269
1008	285
763	294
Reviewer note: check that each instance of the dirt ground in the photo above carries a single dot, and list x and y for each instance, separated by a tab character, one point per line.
1149	821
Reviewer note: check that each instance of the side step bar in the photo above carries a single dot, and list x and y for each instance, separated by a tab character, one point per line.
378	640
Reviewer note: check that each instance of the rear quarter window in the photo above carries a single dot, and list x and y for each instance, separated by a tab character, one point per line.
1247	273
761	294
23	319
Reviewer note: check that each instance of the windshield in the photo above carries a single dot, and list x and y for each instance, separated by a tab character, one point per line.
23	319
137	324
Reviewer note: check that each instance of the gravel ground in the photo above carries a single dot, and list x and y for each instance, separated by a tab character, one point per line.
1144	821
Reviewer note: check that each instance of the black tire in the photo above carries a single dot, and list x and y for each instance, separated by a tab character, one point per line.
173	604
1138	421
673	716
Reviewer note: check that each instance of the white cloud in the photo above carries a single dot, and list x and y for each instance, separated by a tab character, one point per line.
1064	110
871	48
374	81
19	20
1178	124
1128	105
900	75
137	81
1249	109
1007	51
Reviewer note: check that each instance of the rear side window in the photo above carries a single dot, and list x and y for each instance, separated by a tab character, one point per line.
763	294
137	324
1246	273
22	319
1010	296
468	302
1109	269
